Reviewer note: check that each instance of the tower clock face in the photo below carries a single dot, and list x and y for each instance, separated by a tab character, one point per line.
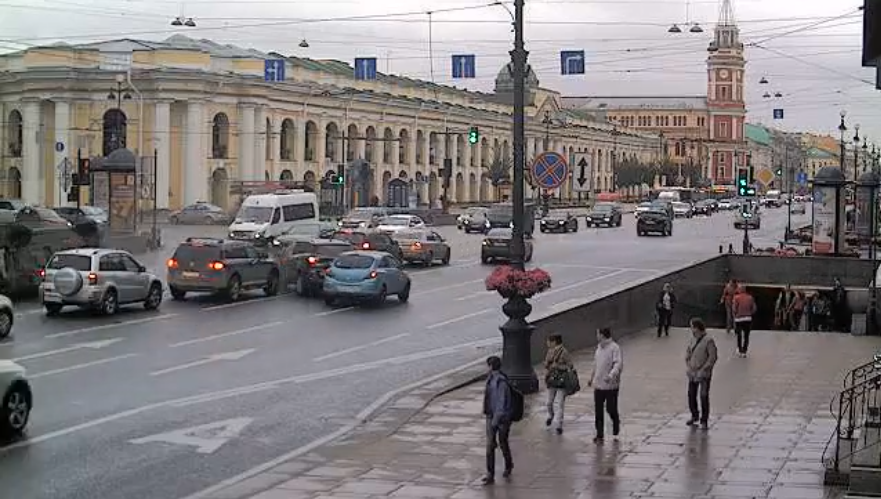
724	73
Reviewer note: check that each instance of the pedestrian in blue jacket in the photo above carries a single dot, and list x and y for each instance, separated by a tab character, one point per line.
497	408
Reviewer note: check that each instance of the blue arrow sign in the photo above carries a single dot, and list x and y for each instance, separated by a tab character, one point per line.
778	114
572	62
273	70
802	178
464	66
550	170
365	68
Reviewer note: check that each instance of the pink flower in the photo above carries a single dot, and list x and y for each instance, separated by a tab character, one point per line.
508	281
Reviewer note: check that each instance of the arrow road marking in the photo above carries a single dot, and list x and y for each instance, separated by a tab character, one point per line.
206	438
227	334
94	345
81	366
238	354
111	326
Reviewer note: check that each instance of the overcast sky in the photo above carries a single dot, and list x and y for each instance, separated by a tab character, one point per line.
809	50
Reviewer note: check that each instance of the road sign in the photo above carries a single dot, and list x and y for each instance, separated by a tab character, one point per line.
550	170
802	178
365	68
464	66
206	438
572	62
778	114
583	172
273	70
59	146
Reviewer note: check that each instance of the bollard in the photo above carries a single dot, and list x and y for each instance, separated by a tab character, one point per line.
720	249
730	248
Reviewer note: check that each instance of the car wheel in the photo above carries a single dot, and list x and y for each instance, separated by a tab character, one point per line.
381	297
52	309
110	303
640	233
177	294
301	288
174	220
485	260
330	301
575	229
428	259
15	411
446	259
209	221
154	297
271	288
5	324
234	288
404	295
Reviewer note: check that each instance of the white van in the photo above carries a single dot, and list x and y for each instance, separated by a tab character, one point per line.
270	215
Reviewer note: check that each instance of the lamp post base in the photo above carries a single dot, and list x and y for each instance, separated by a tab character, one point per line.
517	345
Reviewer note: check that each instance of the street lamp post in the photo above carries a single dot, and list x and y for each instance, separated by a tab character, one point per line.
867	187
842	128
856	152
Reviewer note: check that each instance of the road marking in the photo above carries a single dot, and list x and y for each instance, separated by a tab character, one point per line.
111	326
81	366
239	303
94	345
226	335
206	438
447	288
597	267
219	357
460	318
360	347
247	389
479	294
220	396
334	311
580	283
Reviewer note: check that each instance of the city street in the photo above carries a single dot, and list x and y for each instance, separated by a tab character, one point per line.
160	405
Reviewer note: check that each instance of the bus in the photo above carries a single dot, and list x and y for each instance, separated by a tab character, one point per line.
264	216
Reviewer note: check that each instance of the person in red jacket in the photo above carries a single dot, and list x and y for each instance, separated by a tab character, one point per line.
743	307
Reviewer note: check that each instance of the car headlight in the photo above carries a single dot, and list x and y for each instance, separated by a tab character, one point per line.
511	225
562	222
543	222
588	219
487	224
606	219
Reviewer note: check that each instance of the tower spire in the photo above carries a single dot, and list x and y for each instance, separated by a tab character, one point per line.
726	13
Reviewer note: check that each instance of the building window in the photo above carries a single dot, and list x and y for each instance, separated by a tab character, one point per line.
723	130
15	134
220	136
115	124
723	93
286	144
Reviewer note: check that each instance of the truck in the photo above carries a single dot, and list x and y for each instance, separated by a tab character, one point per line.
502	215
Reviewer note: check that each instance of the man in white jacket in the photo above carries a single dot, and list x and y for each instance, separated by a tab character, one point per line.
606	380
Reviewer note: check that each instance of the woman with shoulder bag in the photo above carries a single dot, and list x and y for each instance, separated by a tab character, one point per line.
558	365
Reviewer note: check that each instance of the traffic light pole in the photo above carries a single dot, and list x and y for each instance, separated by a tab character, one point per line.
746	242
79	177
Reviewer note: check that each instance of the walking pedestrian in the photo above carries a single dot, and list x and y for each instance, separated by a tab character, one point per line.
700	358
606	381
558	363
727	298
664	307
498	409
744	309
783	309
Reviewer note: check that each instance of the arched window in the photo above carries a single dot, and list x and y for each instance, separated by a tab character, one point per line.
309	140
220	137
114	131
15	134
286	143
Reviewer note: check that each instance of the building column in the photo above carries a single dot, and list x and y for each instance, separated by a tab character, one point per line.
478	162
396	153
466	156
426	154
31	191
411	154
300	144
260	141
62	136
321	148
246	142
162	134
195	176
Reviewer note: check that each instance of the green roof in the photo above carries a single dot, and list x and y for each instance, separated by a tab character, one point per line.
758	134
817	153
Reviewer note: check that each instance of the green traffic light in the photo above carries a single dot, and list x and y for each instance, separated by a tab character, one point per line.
473	136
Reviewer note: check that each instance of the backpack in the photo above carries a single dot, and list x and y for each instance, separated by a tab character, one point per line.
518	405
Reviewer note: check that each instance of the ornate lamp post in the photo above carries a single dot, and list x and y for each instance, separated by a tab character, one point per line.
842	128
856	152
867	210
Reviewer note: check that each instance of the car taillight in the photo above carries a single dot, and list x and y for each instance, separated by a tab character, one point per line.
327	271
372	274
172	263
93	279
312	260
216	266
417	245
41	273
365	246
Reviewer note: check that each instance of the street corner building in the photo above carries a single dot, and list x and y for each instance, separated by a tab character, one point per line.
214	125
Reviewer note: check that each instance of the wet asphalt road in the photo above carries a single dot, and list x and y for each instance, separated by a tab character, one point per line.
273	374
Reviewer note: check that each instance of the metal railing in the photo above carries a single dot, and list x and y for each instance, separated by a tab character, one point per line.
859	405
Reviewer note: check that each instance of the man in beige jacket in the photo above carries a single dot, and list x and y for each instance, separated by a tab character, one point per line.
700	358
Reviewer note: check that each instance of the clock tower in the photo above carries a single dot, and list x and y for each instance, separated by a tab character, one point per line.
725	100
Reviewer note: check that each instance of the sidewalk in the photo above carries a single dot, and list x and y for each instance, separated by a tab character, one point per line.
769	427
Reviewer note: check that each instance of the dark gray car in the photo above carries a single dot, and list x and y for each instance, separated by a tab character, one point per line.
497	246
220	266
200	213
604	214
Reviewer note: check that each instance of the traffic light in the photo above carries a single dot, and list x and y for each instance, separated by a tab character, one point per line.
779	171
337	179
473	135
744	189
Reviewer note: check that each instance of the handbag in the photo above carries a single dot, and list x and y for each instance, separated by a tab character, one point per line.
556	378
572	384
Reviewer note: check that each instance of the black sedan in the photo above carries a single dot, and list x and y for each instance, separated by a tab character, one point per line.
704	208
559	222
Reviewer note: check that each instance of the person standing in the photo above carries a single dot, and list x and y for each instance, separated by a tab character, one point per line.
497	407
783	309
606	382
664	307
744	309
727	298
558	363
700	358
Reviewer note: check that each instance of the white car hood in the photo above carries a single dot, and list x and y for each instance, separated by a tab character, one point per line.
392	228
247	226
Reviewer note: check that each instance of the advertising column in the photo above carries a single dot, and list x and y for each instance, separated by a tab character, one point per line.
828	212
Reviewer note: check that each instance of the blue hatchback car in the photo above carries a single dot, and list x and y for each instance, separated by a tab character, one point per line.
365	276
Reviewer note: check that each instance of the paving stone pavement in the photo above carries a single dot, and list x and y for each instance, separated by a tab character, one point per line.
769	426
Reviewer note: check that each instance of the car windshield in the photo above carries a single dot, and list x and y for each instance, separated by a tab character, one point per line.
499	234
474	211
502	210
363	214
680	206
602	208
352	237
645	205
401	221
255	214
353	262
557	214
93	211
48	215
82	263
331	250
408	235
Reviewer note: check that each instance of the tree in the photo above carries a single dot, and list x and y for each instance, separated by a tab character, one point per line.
498	171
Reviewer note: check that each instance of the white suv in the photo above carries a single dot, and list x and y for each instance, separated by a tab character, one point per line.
16	399
101	279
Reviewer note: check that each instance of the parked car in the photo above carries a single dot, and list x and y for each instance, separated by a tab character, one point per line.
394	223
374	241
96	278
363	218
559	222
89	222
7	317
656	221
682	210
423	246
608	214
12	204
473	220
16	399
304	263
365	276
200	213
497	246
220	266
797	208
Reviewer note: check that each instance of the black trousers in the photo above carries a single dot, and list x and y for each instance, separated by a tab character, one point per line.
743	329
497	437
699	389
606	401
664	318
